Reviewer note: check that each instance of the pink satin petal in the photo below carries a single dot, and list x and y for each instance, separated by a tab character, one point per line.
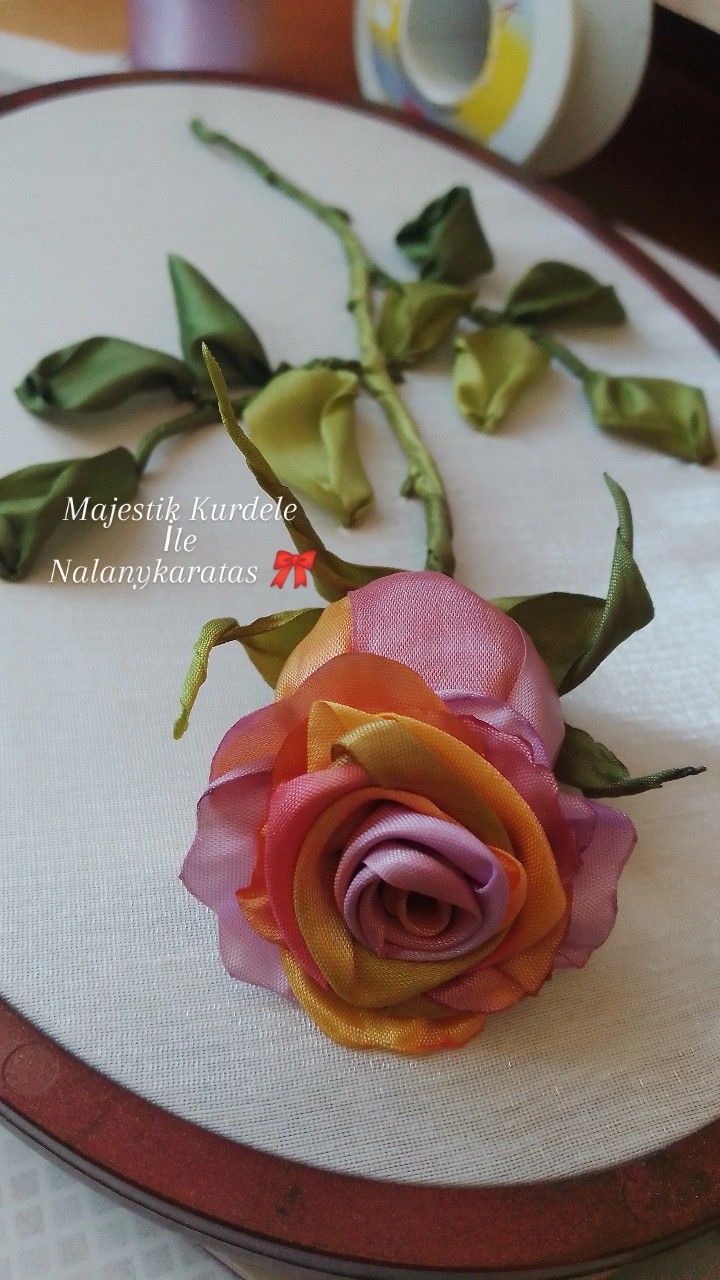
456	931
362	915
256	736
514	757
607	839
391	822
413	853
424	923
535	697
222	855
262	733
221	860
415	871
379	686
369	921
246	955
294	807
459	643
488	988
479	992
498	714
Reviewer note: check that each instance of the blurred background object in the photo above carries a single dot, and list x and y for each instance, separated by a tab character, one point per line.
706	12
305	42
43	40
90	26
543	85
658	174
223	34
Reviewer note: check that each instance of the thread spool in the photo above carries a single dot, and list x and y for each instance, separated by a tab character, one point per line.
220	35
544	84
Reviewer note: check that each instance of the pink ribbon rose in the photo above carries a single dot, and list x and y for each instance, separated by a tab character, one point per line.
387	842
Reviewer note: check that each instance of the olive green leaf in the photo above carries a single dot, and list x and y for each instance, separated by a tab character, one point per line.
267	641
34	501
557	291
671	417
303	422
9	553
333	577
204	315
493	367
575	633
416	318
99	373
597	772
446	241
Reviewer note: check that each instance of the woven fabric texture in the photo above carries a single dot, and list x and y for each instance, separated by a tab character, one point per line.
101	945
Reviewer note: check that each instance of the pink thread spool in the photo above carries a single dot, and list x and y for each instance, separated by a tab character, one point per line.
219	35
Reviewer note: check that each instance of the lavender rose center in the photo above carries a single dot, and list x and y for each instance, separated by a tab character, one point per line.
415	887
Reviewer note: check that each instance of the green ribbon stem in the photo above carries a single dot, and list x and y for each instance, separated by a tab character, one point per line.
268	643
596	771
205	416
558	351
423	480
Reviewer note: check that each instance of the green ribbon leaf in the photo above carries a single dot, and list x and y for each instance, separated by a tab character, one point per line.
204	315
267	641
446	241
100	373
575	633
557	291
303	422
416	318
34	501
493	368
671	417
597	772
332	576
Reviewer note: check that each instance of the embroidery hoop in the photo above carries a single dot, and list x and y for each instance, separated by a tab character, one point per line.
98	1126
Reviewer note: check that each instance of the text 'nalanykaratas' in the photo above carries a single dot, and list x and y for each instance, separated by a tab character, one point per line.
174	515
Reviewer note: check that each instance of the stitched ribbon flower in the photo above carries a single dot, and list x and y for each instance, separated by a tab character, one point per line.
387	843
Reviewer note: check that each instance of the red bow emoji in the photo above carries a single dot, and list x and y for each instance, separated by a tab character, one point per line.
285	561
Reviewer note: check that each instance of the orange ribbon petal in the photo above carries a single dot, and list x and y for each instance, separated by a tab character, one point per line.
331	636
357	1028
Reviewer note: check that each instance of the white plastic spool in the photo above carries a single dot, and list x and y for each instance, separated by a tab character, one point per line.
544	83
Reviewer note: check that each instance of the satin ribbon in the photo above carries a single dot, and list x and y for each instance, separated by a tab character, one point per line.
286	560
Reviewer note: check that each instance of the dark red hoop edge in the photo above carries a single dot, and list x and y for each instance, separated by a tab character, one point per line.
278	1208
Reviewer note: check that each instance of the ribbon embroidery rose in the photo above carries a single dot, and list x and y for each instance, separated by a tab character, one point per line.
387	842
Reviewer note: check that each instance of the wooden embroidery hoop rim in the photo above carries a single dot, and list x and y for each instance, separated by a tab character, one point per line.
231	1193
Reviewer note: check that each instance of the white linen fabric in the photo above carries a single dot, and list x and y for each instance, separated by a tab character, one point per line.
100	944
